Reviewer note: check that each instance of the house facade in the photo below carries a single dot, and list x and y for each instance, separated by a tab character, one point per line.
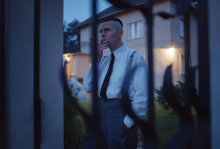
168	37
77	65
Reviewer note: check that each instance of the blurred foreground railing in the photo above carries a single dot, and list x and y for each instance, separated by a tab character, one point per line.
2	74
184	137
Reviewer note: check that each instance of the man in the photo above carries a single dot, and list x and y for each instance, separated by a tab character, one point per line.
119	130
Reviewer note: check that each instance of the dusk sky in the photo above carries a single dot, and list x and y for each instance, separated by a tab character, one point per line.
81	9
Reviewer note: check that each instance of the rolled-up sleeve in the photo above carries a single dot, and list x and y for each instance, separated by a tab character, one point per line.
139	103
87	84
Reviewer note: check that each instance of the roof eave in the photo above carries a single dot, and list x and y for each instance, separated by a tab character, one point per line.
105	16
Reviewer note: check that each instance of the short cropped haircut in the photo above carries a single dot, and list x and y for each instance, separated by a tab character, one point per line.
112	19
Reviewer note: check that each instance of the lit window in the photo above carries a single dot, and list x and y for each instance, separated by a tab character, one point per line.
181	28
135	30
182	65
90	64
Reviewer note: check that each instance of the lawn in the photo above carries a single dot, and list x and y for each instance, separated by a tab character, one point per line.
86	106
166	123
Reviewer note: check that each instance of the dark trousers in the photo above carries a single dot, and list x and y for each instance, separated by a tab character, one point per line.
114	132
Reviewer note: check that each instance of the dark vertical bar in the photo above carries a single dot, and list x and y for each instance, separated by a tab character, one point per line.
187	57
37	100
203	52
203	59
2	73
91	45
151	117
94	58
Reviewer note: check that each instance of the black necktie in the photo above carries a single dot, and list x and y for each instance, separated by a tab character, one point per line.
107	78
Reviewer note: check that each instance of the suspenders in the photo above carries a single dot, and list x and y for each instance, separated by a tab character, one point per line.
128	68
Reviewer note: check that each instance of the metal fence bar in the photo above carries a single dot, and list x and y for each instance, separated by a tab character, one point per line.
151	118
187	58
2	73
203	61
203	52
37	100
94	58
184	134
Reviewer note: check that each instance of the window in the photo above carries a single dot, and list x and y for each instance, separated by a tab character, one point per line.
182	65
135	30
181	27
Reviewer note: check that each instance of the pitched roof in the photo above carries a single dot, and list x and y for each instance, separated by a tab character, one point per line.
115	10
111	11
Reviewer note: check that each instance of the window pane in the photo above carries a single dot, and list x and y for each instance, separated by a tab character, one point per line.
136	30
181	28
132	31
129	31
141	29
182	69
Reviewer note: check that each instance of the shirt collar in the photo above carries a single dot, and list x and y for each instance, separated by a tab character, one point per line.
118	52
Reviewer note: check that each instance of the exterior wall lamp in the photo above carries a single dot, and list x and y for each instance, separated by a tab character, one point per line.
170	52
67	58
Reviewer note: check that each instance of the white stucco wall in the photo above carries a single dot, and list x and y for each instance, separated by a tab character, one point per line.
82	65
178	43
162	27
79	65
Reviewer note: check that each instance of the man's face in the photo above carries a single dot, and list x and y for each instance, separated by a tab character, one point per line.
110	33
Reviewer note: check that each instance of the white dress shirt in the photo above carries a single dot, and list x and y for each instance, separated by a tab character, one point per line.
138	89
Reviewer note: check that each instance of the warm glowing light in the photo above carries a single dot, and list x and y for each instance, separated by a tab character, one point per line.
90	64
170	52
67	58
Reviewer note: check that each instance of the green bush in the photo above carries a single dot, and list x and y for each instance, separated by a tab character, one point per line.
80	80
74	126
179	91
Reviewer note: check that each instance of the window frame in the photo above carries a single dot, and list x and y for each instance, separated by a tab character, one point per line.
182	64
181	27
131	30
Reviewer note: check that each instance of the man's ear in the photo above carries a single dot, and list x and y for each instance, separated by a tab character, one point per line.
120	33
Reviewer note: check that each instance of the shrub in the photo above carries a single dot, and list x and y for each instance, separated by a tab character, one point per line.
80	80
179	91
74	126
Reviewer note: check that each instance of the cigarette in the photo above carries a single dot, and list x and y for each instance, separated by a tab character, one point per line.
101	40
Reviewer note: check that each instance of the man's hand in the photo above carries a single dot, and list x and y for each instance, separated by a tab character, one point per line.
101	46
